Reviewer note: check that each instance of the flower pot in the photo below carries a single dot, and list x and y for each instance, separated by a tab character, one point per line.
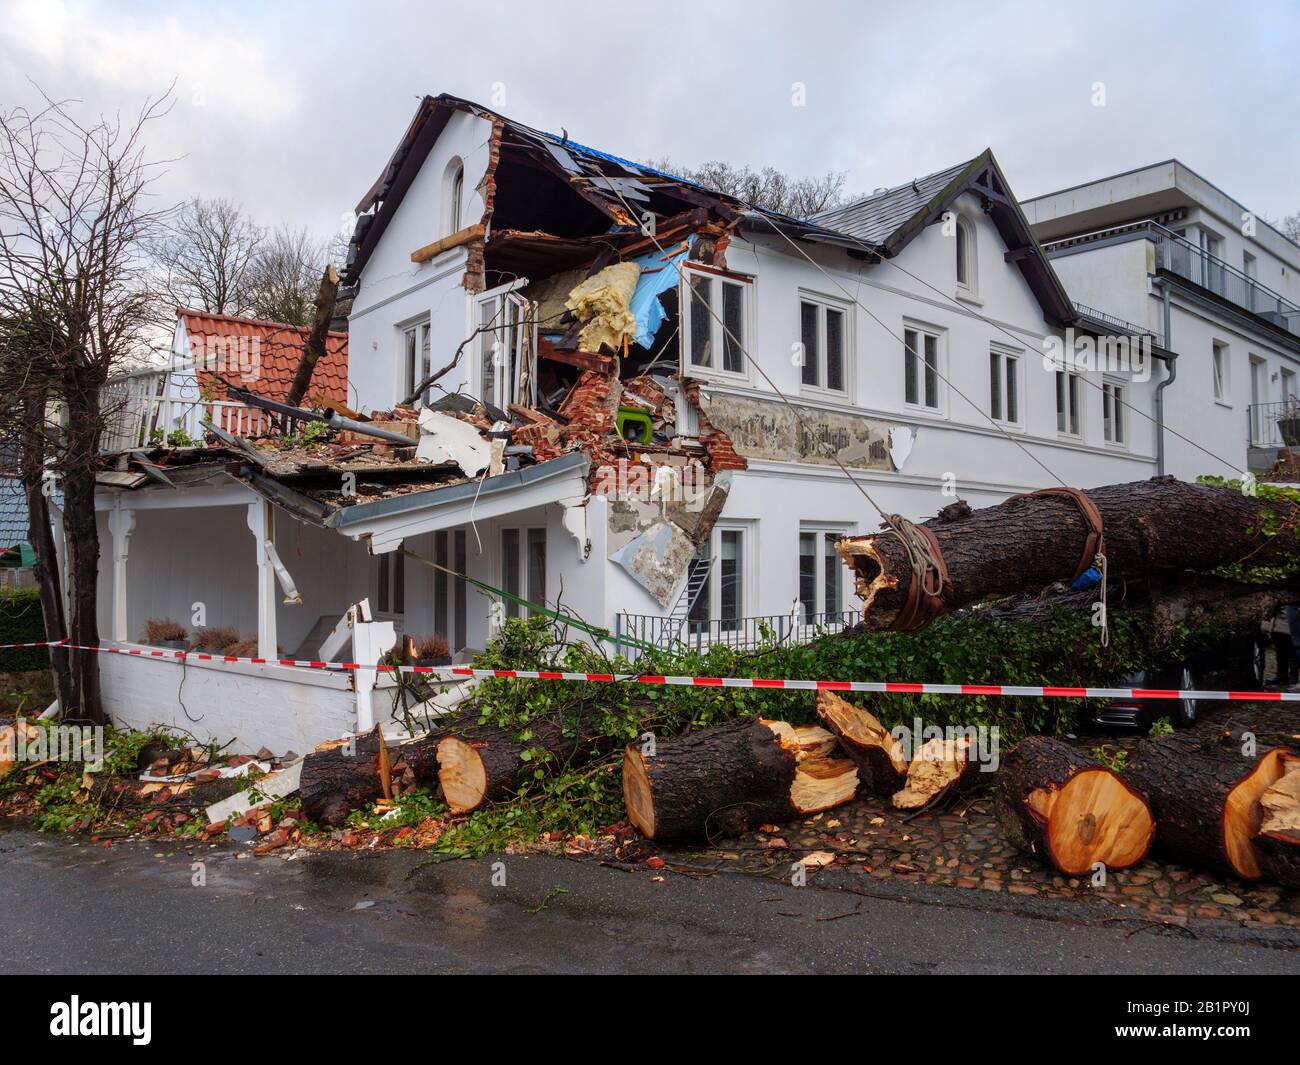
172	645
444	661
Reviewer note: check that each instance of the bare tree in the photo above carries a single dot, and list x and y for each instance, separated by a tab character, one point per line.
75	223
206	257
285	276
768	188
1290	226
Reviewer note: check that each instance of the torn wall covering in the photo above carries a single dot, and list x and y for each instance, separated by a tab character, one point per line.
654	543
768	430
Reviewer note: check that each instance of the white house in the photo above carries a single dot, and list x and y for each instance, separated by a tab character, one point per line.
1162	247
686	402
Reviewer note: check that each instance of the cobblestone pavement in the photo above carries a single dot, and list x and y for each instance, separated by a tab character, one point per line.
964	846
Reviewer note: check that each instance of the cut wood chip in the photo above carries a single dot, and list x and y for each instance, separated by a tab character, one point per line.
939	766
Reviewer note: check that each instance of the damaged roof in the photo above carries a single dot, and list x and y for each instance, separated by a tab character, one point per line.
277	353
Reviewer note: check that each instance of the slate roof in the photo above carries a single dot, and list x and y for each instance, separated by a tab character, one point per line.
875	219
13	513
277	348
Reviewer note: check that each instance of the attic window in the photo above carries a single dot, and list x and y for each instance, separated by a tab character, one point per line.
454	194
965	253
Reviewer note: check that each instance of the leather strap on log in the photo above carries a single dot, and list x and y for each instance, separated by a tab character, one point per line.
1095	544
930	587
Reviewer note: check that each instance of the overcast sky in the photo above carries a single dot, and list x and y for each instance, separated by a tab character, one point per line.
293	109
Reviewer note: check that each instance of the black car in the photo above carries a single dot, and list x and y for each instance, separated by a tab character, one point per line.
1232	663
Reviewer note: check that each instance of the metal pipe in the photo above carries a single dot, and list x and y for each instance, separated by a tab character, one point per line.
1160	388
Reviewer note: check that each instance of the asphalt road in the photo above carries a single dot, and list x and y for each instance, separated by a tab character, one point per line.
134	908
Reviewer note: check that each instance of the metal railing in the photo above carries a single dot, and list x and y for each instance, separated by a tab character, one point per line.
1120	325
739	633
1187	260
1273	424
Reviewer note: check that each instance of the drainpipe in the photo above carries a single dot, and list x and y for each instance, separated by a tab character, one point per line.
1160	388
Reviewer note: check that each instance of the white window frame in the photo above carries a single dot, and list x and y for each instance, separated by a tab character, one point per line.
1220	361
817	361
821	530
940	358
414	355
453	192
525	590
1063	377
1288	375
749	550
964	254
505	387
690	307
1005	356
1115	395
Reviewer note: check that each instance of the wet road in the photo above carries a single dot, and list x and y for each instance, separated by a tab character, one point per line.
136	908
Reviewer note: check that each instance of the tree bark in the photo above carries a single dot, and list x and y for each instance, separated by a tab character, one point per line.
1207	801
480	764
723	781
314	348
1070	811
1161	526
339	780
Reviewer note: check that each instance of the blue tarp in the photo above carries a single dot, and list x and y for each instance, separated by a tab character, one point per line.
645	305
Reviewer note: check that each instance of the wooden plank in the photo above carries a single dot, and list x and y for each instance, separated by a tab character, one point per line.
461	236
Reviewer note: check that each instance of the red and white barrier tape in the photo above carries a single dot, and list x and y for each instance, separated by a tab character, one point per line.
1034	691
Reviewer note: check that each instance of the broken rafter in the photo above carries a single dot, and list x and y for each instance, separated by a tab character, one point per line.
455	240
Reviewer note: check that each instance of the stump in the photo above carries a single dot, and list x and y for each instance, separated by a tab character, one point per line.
1207	803
1069	811
723	781
882	766
1278	844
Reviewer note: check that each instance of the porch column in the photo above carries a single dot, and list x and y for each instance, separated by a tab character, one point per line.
261	524
121	524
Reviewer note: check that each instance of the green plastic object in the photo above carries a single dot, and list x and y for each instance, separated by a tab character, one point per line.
634	425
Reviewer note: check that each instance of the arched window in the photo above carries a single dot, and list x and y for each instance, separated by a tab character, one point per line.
453	197
965	252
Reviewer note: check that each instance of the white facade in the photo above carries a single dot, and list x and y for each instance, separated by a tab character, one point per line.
1233	285
957	451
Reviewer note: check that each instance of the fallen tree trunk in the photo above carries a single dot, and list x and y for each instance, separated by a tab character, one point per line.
1278	844
723	781
480	764
882	766
1070	811
336	781
1027	543
1207	803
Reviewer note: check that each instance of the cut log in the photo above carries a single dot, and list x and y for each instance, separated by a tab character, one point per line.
336	781
941	767
1278	844
1025	544
723	781
882	766
1070	811
480	764
1207	803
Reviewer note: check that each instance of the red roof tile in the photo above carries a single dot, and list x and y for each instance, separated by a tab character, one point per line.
262	356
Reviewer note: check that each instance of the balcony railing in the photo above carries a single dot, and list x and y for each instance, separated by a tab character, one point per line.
1187	260
139	413
739	633
1273	424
